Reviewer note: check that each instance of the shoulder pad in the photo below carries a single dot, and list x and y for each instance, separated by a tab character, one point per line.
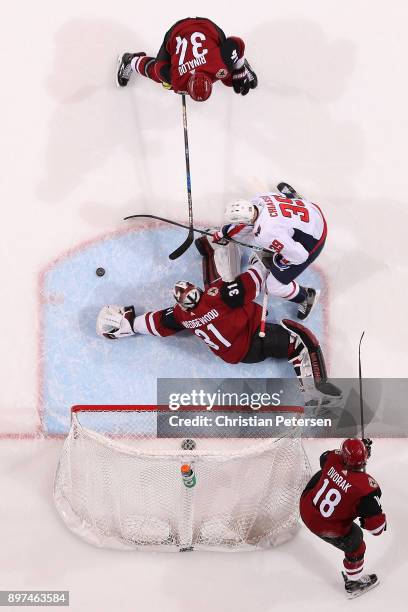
233	293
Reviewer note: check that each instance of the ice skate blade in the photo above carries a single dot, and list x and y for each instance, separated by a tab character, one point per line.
318	292
118	63
359	593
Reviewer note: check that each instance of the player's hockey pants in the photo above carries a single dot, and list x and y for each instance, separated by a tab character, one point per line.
281	283
349	542
275	344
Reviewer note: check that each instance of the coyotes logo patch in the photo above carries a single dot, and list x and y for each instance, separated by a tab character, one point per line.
372	482
222	73
213	291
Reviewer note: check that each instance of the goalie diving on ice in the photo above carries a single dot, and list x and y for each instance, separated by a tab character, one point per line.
226	317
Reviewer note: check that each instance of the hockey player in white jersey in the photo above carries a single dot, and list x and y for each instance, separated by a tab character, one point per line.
292	228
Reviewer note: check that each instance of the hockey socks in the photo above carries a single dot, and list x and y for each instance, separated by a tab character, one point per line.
145	66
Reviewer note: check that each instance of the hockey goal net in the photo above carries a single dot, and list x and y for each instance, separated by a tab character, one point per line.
120	485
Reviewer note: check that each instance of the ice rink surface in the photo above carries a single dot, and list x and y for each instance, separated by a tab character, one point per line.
77	155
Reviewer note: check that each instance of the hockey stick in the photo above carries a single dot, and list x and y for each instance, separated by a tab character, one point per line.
200	231
264	311
190	237
361	387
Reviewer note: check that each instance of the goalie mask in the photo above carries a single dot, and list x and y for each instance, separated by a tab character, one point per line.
187	295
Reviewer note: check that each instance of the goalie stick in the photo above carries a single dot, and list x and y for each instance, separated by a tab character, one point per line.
199	231
262	327
190	237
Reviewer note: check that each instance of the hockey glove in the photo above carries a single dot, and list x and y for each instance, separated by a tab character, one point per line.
220	238
280	262
368	444
115	321
244	79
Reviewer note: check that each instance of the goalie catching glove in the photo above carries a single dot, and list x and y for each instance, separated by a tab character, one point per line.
115	321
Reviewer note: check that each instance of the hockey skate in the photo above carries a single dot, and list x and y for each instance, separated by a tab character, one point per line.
288	191
124	70
306	307
323	396
355	588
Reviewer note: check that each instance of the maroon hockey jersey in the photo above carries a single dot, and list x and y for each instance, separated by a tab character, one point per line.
335	497
197	44
226	317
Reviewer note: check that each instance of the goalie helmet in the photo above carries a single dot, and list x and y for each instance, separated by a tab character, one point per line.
199	87
241	211
187	295
354	453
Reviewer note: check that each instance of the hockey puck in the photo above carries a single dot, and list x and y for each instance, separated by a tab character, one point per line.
100	271
188	444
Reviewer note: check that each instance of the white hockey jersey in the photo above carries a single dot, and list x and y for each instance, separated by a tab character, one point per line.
280	221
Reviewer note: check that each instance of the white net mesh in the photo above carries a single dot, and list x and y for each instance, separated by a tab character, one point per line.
119	485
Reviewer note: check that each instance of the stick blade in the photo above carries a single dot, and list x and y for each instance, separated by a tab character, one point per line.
183	247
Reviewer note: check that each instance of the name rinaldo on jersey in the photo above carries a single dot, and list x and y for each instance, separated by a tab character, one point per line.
200	44
226	318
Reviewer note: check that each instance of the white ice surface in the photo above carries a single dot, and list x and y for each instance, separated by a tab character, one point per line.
330	116
37	552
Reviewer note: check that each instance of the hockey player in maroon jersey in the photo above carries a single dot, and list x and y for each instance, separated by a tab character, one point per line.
195	53
225	316
334	497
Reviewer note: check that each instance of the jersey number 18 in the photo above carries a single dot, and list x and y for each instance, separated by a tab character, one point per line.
329	502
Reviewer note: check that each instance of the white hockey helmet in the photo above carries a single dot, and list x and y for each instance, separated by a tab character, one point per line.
186	294
241	211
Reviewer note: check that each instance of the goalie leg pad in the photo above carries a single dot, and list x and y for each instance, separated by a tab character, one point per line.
308	362
115	321
219	260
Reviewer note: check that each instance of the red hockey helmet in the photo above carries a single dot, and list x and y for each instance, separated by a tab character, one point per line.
186	294
354	453
199	87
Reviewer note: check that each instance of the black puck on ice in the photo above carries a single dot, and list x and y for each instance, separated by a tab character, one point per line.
100	271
